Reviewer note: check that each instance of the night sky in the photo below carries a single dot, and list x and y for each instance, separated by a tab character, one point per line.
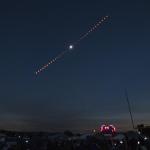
86	87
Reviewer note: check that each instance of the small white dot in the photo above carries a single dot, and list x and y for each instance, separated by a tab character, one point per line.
71	46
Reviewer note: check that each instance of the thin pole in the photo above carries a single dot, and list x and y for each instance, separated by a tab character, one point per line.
129	107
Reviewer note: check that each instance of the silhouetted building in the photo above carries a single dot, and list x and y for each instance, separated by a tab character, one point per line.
144	129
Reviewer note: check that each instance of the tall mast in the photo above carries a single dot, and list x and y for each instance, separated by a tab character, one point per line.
129	108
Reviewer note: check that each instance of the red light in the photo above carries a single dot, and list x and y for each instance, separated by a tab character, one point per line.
107	129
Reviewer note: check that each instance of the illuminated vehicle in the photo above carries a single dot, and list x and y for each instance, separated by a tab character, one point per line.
108	129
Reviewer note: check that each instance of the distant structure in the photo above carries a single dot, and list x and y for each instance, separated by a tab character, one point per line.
143	129
129	108
108	129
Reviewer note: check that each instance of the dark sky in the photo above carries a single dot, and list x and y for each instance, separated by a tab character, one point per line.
86	87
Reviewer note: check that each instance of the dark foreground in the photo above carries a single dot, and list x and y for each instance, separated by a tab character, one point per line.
68	141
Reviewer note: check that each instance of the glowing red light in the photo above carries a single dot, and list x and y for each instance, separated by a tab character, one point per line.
107	129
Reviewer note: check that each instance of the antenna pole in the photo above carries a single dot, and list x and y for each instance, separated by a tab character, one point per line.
129	107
